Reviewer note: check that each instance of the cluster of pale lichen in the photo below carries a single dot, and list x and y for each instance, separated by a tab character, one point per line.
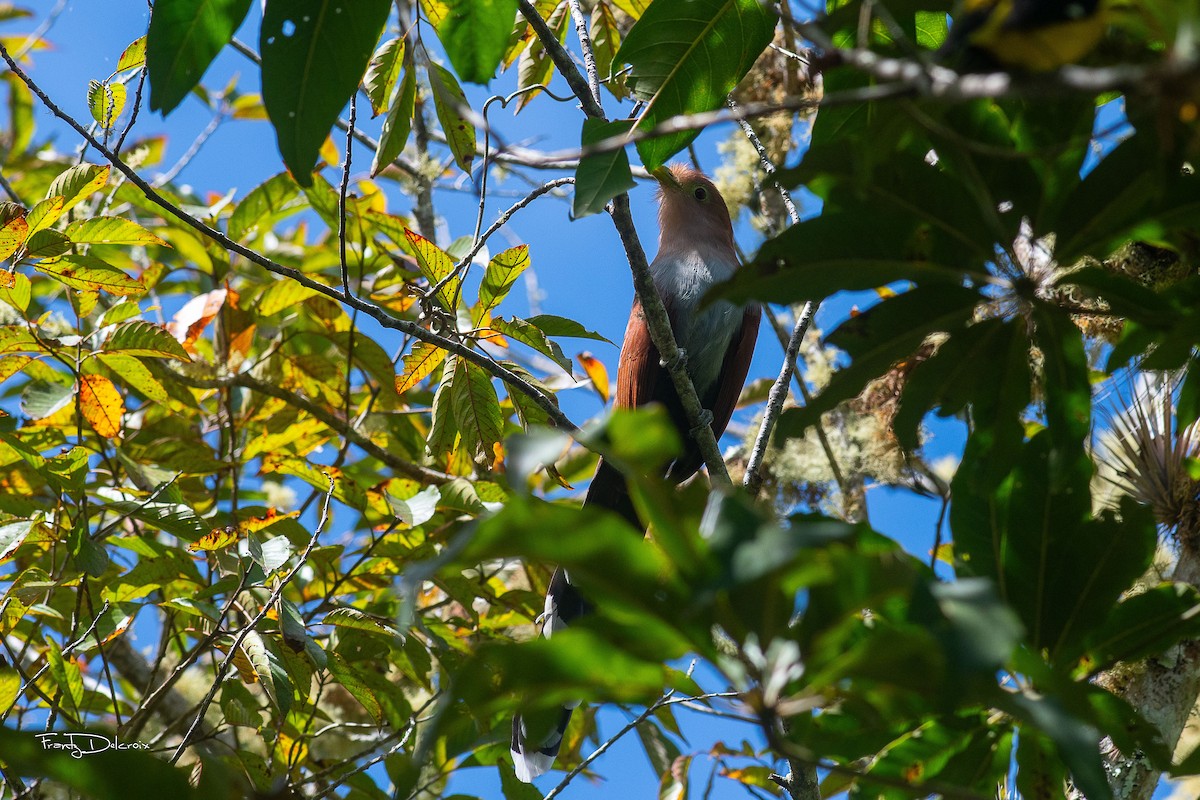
859	446
776	75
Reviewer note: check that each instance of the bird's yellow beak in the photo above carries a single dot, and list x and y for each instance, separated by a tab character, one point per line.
665	177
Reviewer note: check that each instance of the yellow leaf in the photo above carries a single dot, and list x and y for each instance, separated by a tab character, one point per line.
12	236
216	539
258	523
418	365
435	264
133	56
330	153
101	404
594	368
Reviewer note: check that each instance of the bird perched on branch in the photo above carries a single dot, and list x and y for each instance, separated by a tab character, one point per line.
1036	35
695	252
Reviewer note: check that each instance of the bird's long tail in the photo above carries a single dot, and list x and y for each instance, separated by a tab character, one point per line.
532	758
564	604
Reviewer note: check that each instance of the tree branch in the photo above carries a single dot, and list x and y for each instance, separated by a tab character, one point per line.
779	392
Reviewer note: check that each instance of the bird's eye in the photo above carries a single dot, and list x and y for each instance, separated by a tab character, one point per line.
700	193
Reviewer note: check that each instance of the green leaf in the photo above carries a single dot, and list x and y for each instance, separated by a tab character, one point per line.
602	176
110	230
270	200
606	40
397	125
357	620
135	374
19	294
46	246
11	536
878	338
501	273
140	338
89	273
44	214
382	73
476	410
661	751
184	37
531	336
931	29
21	125
282	295
448	102
1144	625
832	253
304	88
1065	369
40	399
985	365
12	235
1058	568
106	101
1077	746
475	35
535	67
552	325
419	365
687	55
267	665
575	665
10	688
77	184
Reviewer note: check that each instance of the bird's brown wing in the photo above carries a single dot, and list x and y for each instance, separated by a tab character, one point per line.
640	376
734	369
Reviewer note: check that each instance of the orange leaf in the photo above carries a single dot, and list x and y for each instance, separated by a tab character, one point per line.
595	369
101	404
191	320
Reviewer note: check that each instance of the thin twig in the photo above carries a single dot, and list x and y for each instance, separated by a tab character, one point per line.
585	44
342	189
779	392
193	149
599	751
549	186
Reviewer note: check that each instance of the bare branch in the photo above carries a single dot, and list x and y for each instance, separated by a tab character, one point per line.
779	391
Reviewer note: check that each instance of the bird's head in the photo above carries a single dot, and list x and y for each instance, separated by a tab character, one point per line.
691	212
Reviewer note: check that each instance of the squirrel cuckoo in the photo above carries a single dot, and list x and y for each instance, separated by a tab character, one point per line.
695	252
